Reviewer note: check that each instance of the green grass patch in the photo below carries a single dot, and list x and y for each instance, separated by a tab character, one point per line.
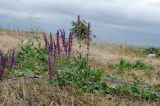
31	59
125	65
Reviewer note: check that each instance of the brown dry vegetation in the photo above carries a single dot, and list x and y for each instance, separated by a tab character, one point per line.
37	92
102	55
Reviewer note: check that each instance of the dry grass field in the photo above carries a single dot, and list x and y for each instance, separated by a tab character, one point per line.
30	91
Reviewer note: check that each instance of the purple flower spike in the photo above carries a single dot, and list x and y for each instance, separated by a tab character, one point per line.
63	37
88	28
13	62
46	41
66	47
58	45
70	44
57	34
64	32
1	57
55	51
51	44
50	48
1	54
88	38
50	65
3	62
79	26
1	73
6	61
64	43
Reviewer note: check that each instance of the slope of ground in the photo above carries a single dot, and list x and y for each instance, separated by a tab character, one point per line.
35	91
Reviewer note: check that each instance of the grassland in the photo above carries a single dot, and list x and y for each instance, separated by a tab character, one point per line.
131	78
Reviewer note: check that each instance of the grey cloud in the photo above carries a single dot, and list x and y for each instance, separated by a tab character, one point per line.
130	19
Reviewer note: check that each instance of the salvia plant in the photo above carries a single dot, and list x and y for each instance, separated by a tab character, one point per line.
6	61
58	45
88	39
64	42
46	41
70	44
63	37
61	46
53	48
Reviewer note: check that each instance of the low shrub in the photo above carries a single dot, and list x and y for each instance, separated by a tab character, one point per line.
152	50
136	91
136	65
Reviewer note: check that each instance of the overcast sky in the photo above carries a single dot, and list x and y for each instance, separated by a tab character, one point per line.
132	21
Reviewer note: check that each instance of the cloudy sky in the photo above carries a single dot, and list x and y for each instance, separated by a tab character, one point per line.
136	22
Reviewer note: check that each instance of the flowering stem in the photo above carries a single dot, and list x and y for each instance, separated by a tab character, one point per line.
50	65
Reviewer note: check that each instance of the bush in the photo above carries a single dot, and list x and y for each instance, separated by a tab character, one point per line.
81	29
152	50
139	65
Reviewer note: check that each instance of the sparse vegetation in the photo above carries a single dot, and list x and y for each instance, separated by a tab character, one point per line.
52	71
125	65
